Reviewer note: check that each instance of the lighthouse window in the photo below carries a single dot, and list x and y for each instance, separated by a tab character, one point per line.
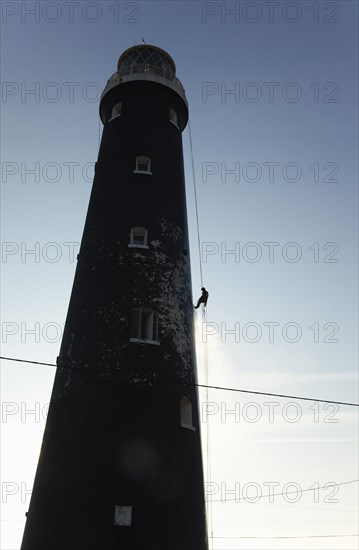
116	111
123	516
186	414
138	237
144	326
173	117
143	165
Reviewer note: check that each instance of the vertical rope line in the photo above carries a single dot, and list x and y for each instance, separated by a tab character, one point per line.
204	313
195	201
208	440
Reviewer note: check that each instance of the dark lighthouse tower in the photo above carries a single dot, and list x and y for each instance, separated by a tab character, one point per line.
120	465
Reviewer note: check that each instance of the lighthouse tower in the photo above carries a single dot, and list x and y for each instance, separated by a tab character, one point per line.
120	465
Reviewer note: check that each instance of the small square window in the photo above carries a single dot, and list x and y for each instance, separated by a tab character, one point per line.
186	414
138	237
143	165
144	326
123	516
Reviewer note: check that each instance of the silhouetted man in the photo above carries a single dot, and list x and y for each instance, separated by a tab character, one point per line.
203	299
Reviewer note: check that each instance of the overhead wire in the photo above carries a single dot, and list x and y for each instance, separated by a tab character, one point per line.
270	495
222	388
292	537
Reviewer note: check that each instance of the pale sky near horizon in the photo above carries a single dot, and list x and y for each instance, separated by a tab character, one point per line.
272	89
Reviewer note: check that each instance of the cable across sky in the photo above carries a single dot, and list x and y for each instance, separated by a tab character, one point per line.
200	385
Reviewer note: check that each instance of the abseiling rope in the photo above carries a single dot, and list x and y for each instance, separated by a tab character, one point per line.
195	200
204	313
208	440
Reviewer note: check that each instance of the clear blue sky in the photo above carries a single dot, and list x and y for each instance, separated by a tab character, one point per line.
272	90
